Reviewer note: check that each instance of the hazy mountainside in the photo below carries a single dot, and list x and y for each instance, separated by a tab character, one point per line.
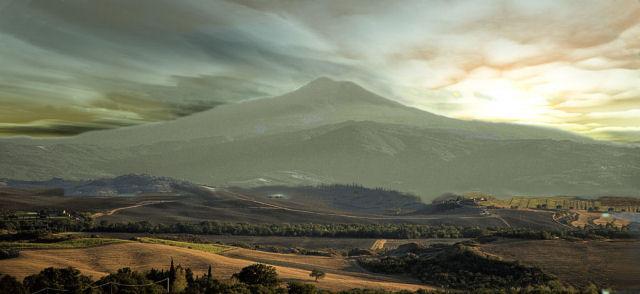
427	162
119	186
337	132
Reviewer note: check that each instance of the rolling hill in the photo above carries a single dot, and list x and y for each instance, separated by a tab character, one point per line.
337	132
100	261
125	185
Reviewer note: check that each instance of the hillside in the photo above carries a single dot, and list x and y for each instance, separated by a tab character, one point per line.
126	185
347	198
337	132
610	264
99	261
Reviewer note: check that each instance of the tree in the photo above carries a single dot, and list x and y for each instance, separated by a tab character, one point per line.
9	253
68	279
9	284
188	273
258	274
209	273
591	289
172	271
317	274
179	283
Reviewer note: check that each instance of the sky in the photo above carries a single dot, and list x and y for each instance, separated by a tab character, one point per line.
70	66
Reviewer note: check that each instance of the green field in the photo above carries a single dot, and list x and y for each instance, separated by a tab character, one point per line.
211	248
67	244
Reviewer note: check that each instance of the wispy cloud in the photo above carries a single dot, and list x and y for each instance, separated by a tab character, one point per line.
573	64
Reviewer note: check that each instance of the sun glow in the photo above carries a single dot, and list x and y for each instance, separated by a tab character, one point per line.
501	100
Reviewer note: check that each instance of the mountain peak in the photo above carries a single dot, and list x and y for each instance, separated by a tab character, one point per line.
326	82
322	79
327	90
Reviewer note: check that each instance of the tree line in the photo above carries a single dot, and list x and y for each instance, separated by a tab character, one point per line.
337	230
386	231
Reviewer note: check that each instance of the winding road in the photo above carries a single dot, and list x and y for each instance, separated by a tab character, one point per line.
115	210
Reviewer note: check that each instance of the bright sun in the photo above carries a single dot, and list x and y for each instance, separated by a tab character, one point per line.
500	100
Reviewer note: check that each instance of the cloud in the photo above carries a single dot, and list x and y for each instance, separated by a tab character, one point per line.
539	62
52	128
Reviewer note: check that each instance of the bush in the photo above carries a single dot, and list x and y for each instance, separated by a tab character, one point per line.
300	288
9	253
9	284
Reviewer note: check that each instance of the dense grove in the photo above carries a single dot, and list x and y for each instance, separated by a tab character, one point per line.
387	231
391	231
253	279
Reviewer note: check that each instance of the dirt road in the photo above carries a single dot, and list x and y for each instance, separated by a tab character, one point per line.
378	244
113	211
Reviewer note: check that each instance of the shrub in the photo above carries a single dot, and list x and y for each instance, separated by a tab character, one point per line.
300	288
9	284
9	253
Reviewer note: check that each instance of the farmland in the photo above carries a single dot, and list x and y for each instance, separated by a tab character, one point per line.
99	261
310	243
607	263
232	228
602	204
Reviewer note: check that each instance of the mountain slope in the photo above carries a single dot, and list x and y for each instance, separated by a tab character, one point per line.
321	102
337	132
427	162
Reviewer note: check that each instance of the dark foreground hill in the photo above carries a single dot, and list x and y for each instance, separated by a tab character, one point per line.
337	132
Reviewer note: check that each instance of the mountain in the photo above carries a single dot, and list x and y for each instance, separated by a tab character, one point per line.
319	103
338	132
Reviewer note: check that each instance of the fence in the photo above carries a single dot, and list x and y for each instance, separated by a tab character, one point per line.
111	284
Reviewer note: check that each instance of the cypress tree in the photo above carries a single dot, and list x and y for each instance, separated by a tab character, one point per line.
172	271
